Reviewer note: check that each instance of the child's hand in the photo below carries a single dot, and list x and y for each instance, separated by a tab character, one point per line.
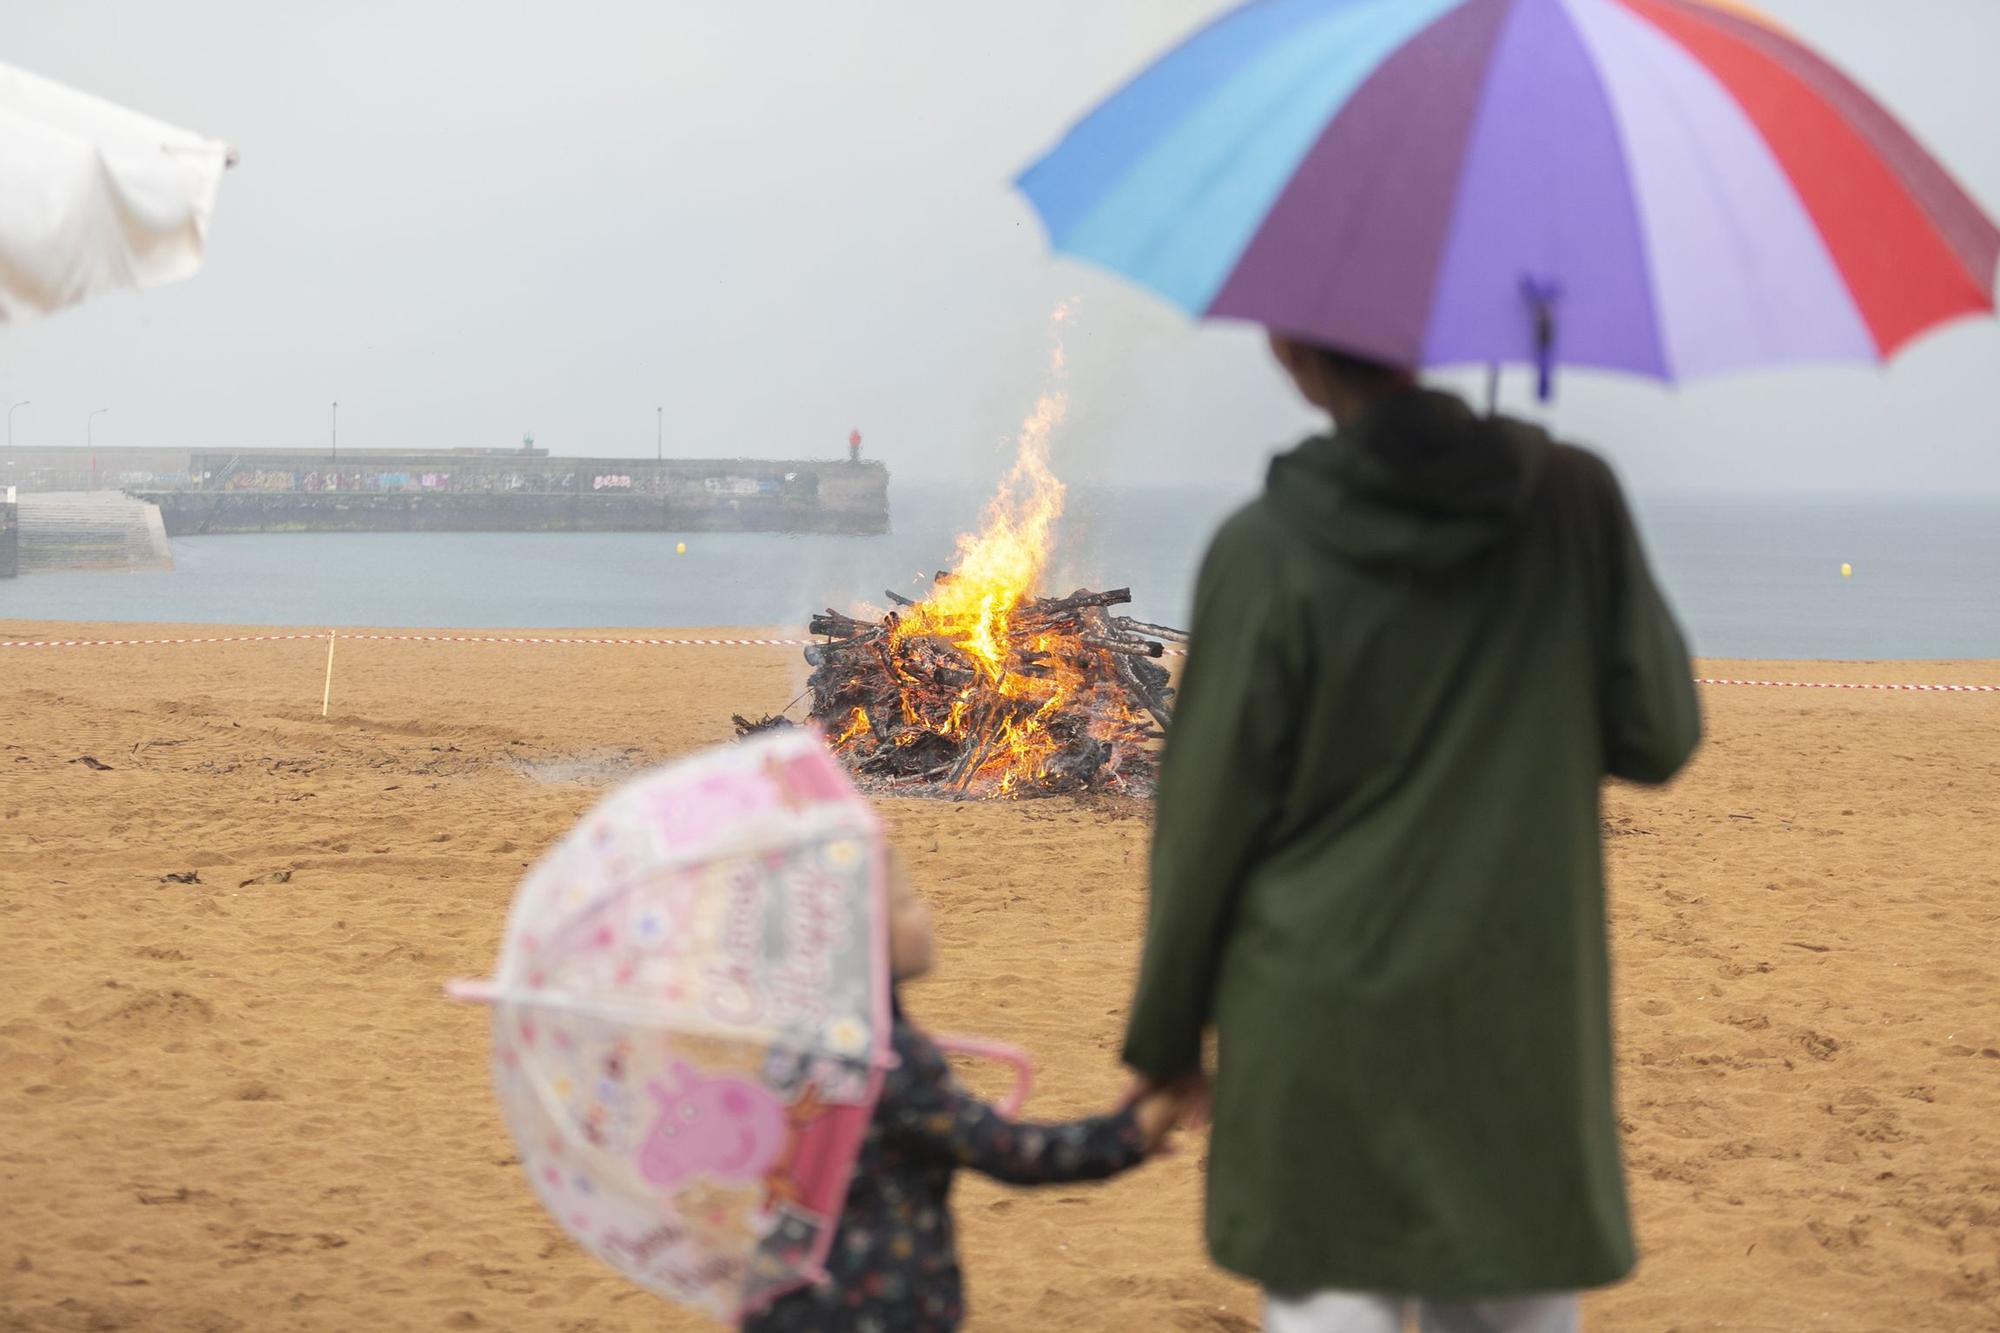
1158	1112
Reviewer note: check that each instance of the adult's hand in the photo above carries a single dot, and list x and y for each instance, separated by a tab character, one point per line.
1193	1093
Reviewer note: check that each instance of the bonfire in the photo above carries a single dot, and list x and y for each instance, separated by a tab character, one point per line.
1049	696
983	688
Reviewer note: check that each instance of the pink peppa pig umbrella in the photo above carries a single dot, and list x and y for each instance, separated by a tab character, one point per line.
691	1017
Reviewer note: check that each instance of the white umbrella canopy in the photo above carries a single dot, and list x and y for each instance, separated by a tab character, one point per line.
95	198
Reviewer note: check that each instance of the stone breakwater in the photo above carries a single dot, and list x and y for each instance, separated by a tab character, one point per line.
82	530
190	513
212	492
549	495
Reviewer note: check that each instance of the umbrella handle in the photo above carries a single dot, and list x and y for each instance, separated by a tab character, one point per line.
466	991
980	1048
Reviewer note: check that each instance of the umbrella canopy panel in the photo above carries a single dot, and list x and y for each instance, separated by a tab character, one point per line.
1666	187
691	1017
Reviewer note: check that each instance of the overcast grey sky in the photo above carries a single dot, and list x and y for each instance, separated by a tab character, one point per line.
785	218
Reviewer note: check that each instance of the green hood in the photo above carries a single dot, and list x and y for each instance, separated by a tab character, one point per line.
1419	481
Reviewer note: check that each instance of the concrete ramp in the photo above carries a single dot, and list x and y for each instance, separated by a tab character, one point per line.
65	530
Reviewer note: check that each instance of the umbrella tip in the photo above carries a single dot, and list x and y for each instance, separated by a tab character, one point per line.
471	991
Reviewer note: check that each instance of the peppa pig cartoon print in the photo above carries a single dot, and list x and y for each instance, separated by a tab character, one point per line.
729	1128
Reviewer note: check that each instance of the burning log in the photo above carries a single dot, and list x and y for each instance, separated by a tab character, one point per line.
1047	696
836	625
1132	626
1046	606
1128	649
1150	699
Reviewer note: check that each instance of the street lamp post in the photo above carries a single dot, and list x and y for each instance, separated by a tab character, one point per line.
336	432
10	433
659	434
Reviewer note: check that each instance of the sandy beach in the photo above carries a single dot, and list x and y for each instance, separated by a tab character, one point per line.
234	1100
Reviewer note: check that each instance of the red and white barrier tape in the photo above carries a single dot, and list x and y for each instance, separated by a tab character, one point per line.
409	638
1855	685
807	643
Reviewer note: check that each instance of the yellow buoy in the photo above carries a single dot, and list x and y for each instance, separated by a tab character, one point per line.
1847	571
681	548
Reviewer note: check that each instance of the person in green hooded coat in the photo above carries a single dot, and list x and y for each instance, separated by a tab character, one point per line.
1377	868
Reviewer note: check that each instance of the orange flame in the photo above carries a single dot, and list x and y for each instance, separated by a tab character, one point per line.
857	725
997	569
1010	698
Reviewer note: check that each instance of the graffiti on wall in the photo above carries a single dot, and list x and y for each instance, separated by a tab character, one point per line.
663	482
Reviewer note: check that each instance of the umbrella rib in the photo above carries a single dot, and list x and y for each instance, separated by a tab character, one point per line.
574	1006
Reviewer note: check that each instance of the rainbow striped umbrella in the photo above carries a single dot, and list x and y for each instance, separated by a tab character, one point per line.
1673	188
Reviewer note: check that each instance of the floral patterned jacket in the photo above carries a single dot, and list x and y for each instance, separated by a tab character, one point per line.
894	1264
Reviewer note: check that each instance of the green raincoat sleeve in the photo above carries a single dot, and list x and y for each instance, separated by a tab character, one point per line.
1652	719
1222	781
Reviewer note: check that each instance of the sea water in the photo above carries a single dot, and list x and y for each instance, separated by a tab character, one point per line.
1750	577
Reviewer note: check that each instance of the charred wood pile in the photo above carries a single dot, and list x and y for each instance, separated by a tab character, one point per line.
1053	695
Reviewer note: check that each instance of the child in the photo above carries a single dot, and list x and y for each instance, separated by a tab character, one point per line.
894	1265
